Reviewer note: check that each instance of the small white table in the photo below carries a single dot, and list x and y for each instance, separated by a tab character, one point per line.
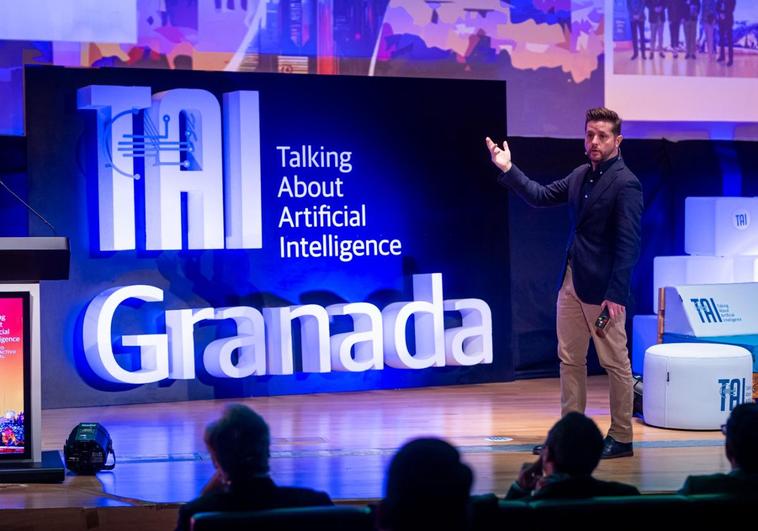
695	386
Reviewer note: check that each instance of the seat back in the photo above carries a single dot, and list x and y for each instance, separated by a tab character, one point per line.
637	513
339	518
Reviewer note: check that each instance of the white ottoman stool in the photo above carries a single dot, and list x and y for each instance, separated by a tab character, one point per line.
695	386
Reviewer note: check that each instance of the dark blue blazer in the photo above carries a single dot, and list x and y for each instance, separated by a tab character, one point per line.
605	230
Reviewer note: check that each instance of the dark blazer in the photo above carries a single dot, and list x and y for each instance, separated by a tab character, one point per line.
605	235
259	494
576	487
735	482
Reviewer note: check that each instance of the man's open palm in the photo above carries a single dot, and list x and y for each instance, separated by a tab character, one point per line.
501	157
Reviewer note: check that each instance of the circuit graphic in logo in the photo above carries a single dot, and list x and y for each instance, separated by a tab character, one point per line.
152	143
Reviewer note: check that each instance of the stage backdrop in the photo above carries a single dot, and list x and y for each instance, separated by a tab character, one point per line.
242	214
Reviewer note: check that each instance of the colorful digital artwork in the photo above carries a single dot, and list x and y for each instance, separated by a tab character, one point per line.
554	44
552	53
466	39
12	439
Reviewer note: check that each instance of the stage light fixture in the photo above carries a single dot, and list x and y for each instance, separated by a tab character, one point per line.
87	449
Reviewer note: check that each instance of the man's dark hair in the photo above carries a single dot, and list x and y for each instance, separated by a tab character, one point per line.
742	437
602	114
427	487
574	445
240	442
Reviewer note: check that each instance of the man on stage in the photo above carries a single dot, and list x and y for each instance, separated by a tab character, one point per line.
725	10
605	206
636	10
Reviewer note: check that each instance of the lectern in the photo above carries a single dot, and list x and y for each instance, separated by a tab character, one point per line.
24	262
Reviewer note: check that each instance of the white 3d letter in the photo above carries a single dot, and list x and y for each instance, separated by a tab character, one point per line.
97	338
115	107
471	343
314	333
427	306
250	340
242	170
171	172
367	338
180	326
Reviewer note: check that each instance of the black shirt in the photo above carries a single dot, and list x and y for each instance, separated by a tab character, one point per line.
592	177
588	184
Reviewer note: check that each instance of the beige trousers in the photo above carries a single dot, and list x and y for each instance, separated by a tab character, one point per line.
576	325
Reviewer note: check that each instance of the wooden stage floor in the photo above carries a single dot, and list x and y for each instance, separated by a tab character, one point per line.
341	443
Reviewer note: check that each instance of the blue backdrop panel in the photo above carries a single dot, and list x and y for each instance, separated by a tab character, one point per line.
418	165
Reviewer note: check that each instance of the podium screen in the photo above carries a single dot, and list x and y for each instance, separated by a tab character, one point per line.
15	391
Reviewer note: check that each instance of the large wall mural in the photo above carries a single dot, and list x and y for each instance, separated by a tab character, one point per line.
552	52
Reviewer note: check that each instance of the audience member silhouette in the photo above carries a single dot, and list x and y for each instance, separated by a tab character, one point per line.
427	487
741	430
239	446
564	470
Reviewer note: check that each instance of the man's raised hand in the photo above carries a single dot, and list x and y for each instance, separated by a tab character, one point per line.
501	157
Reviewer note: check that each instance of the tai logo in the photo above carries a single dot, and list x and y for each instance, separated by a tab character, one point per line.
741	219
177	136
733	389
707	310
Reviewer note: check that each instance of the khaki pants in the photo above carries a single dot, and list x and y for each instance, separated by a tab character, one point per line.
575	325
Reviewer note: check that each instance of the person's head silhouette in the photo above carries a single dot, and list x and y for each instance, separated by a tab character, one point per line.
239	444
573	446
741	432
427	487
